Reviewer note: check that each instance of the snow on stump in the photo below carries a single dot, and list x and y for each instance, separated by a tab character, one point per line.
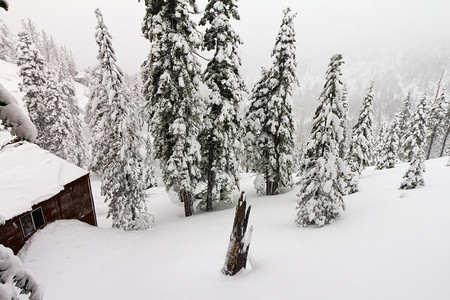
240	238
13	273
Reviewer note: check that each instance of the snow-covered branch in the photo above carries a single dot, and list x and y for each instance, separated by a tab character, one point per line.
12	116
13	273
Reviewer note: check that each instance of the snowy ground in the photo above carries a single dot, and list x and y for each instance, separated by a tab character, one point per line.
389	244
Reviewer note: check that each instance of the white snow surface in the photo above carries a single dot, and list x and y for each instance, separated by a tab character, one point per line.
388	244
30	175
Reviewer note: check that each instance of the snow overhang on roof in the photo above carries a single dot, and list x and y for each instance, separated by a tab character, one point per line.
29	175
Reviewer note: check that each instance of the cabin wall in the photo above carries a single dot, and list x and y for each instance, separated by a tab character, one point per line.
74	202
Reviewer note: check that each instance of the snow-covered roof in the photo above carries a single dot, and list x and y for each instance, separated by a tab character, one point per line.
29	175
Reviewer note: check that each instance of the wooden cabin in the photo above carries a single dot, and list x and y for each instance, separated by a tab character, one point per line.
37	188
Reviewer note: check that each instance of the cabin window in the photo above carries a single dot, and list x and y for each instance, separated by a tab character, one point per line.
32	221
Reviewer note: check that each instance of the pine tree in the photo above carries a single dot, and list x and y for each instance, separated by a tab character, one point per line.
438	121
379	144
147	155
256	139
171	76
416	141
220	138
7	44
404	116
417	131
414	175
115	142
323	180
32	73
360	150
77	139
387	147
345	143
276	119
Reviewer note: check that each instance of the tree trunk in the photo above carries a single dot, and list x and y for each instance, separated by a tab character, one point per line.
431	143
186	198
209	192
445	142
237	253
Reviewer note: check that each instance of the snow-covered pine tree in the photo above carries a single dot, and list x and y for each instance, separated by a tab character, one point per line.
360	152
32	32
76	135
414	175
220	138
416	142
438	123
115	142
387	146
345	143
323	180
146	148
171	76
404	116
276	118
256	139
32	73
7	43
447	133
56	136
379	145
417	131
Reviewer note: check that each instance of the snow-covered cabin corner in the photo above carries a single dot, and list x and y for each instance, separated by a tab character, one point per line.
38	188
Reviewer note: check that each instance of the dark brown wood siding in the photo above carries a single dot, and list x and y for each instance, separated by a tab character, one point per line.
74	202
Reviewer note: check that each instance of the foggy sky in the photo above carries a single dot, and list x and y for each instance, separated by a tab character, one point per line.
323	27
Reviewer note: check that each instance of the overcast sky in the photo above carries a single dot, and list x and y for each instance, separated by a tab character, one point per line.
323	27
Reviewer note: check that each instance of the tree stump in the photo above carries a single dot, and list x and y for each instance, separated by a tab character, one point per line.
236	258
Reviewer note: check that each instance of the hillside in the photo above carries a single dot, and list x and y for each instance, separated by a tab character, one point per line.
389	244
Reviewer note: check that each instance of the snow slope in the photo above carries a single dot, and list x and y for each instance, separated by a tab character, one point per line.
389	244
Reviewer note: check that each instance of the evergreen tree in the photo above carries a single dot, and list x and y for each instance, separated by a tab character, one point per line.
323	180
55	135
148	160
360	151
32	73
379	143
171	88
276	119
417	131
77	139
220	138
115	142
438	121
7	44
32	32
416	141
256	139
404	116
414	175
387	147
344	145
